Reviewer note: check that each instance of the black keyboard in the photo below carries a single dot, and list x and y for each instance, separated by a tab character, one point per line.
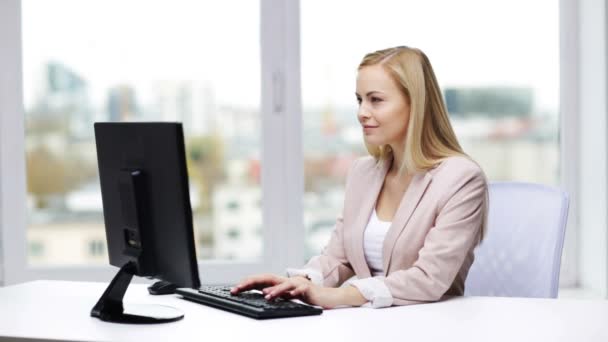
249	303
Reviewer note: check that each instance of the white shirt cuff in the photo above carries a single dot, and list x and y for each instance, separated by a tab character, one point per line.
315	276
374	290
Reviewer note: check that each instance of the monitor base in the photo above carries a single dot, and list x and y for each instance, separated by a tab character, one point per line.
144	314
110	308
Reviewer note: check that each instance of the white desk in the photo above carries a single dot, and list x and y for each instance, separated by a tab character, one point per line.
59	310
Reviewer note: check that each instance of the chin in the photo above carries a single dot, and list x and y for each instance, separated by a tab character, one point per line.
375	142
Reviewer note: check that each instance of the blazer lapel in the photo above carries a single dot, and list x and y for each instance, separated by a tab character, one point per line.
406	208
369	195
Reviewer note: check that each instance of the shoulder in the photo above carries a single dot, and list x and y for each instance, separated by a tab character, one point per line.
458	179
457	167
455	174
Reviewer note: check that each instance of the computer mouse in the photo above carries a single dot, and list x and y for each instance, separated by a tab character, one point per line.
162	288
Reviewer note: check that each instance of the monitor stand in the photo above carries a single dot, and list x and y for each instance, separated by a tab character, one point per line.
109	308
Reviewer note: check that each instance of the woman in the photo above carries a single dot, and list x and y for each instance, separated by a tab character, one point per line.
414	209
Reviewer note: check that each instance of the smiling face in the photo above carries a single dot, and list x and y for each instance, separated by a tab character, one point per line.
384	110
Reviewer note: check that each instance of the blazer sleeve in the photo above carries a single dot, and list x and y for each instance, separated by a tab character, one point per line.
457	230
332	264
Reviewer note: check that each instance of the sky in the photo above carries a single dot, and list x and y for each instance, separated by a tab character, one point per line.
469	43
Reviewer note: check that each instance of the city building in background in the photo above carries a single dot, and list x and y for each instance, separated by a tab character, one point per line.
66	218
496	126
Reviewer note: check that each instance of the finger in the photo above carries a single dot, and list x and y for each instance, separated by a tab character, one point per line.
279	290
250	284
247	284
243	285
256	282
299	291
295	281
271	289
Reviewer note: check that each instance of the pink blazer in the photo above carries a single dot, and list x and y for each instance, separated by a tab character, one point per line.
428	249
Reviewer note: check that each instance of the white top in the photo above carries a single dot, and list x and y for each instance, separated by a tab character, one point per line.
60	311
373	239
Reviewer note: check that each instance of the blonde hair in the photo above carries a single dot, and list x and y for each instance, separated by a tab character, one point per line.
430	137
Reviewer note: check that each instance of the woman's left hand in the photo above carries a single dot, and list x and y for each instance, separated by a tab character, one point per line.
326	297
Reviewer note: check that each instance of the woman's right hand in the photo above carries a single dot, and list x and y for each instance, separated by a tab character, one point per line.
300	287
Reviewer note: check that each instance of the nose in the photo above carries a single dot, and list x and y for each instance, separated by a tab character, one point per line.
363	114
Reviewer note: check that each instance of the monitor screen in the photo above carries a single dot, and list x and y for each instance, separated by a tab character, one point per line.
146	202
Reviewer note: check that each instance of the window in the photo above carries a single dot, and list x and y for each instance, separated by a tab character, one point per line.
79	69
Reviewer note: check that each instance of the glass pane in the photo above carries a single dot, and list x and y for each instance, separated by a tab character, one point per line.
496	61
126	60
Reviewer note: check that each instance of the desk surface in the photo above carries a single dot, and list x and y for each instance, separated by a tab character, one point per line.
59	310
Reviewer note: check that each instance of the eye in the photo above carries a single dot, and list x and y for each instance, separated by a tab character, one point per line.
358	100
376	99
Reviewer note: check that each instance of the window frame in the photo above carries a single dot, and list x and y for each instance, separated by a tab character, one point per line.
591	143
569	145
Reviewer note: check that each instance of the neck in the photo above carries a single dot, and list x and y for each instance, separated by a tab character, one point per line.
397	158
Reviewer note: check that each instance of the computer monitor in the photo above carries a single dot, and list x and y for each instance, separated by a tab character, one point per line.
147	213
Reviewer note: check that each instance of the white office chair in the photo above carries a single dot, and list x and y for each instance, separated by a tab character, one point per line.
521	252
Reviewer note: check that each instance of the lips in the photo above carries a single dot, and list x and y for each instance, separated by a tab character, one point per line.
368	129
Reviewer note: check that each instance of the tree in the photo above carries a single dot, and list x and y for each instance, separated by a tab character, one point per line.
49	174
205	156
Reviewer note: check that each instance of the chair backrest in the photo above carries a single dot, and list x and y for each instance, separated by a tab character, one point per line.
520	255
